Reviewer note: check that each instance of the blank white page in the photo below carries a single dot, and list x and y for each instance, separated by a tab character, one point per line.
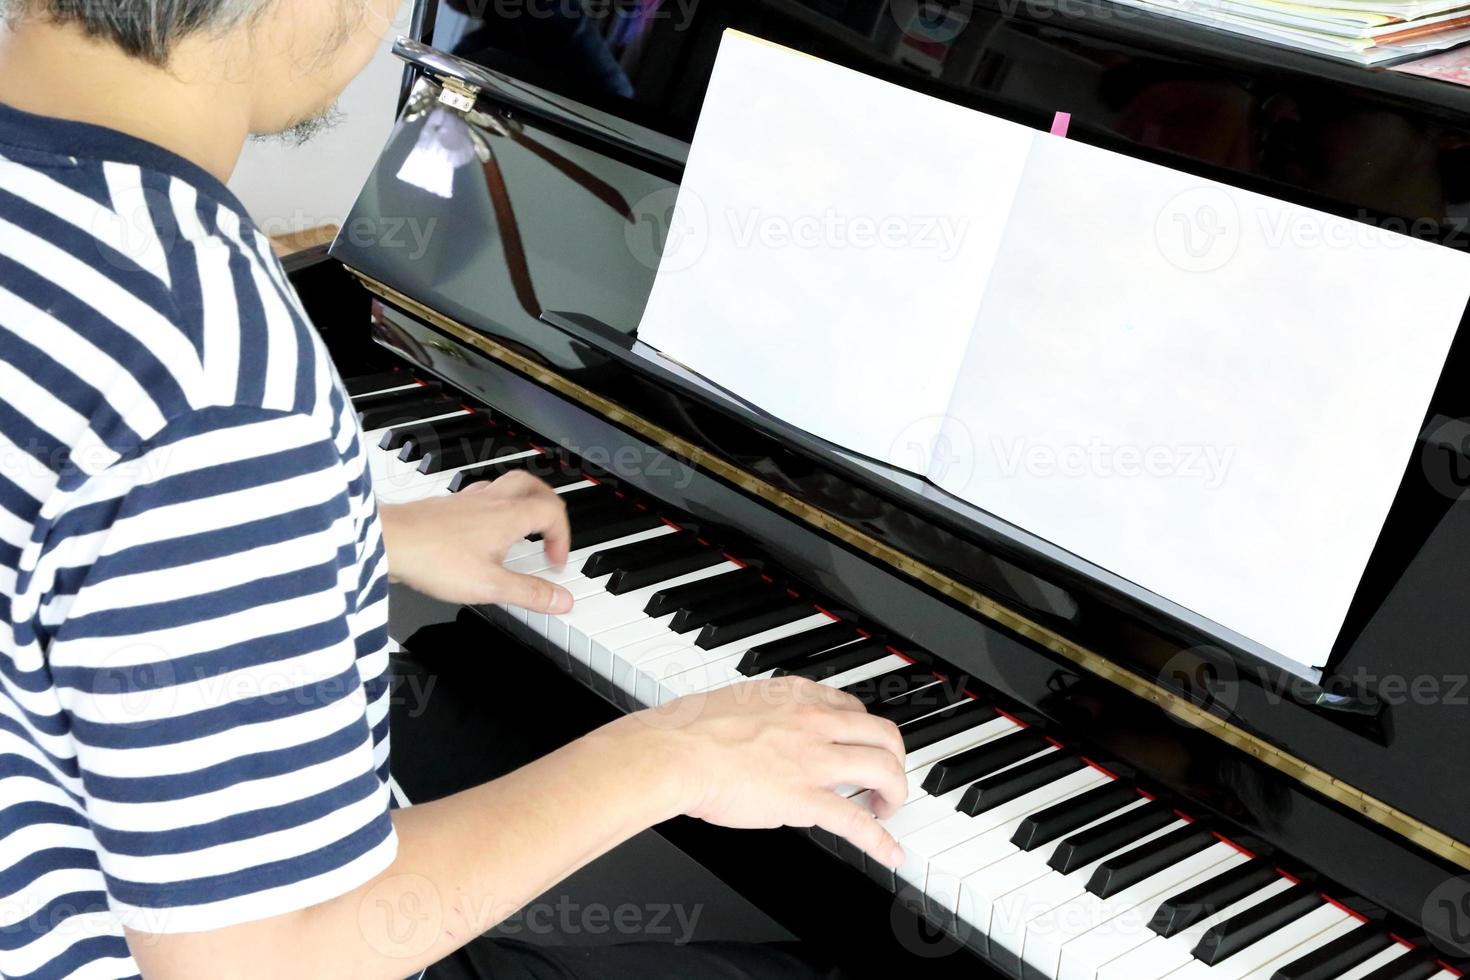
1208	392
830	246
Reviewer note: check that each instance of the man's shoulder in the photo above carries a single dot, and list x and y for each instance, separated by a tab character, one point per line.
168	296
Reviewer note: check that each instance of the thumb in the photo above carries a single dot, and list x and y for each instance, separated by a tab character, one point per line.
528	592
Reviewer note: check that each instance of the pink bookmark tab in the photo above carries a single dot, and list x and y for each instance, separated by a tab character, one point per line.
1059	124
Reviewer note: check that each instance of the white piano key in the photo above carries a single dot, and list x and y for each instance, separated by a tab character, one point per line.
606	612
1258	954
867	671
1380	959
1321	939
1159	957
539	564
1003	916
694	670
1122	920
956	828
949	868
946	747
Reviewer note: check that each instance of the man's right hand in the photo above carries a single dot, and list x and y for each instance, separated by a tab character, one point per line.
770	753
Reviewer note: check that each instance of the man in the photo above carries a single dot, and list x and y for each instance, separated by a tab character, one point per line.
193	741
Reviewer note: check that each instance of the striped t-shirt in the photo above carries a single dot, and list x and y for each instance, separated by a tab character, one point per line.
193	593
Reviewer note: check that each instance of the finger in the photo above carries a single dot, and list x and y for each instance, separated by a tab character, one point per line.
868	768
546	515
846	819
528	592
519	483
851	728
804	691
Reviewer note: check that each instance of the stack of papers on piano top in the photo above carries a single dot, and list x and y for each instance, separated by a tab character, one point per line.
1178	381
1367	32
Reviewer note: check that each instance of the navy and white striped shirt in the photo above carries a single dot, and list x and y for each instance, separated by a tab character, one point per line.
193	592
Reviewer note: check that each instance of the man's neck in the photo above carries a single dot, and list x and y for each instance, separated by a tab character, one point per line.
191	108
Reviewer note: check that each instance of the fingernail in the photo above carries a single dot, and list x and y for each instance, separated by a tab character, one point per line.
561	602
895	856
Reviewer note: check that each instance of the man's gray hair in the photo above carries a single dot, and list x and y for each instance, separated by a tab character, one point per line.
146	29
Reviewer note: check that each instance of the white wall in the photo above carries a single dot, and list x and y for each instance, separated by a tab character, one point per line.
290	188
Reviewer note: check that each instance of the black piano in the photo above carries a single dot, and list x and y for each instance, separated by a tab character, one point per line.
1104	786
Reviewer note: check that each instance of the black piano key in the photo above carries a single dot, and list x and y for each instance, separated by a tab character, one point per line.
1183	910
1417	964
1018	780
737	626
592	507
610	527
1337	956
1148	859
779	653
1061	819
926	700
641	554
695	615
416	405
983	760
553	472
1223	940
470	449
421	437
951	721
1086	846
400	396
364	384
894	684
839	661
626	579
670	600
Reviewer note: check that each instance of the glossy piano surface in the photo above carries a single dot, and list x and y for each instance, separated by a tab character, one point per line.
540	216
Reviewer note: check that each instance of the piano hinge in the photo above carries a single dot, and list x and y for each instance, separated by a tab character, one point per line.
457	94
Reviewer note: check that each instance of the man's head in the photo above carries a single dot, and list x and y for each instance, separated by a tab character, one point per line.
292	58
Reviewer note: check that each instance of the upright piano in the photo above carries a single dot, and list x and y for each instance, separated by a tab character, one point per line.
1104	785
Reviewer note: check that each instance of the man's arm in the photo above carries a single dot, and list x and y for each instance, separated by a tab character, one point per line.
763	754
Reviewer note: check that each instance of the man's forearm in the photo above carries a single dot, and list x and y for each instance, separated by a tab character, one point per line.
464	863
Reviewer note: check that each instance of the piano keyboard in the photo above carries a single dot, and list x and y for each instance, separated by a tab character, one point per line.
1044	861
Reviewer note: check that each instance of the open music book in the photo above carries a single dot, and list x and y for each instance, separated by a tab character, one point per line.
1207	391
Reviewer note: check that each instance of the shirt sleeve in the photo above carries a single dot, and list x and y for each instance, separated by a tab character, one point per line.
205	661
